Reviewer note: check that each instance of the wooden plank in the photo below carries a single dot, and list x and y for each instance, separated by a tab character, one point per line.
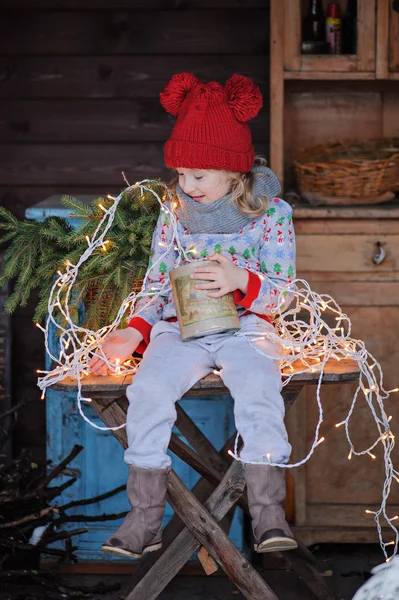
346	252
134	32
331	514
82	164
203	527
196	461
277	88
382	33
393	40
329	75
86	164
328	63
200	442
338	535
296	427
111	386
338	276
360	293
292	35
117	76
172	5
207	562
354	226
390	211
139	120
366	38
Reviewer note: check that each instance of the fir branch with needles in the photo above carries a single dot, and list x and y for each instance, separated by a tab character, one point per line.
35	251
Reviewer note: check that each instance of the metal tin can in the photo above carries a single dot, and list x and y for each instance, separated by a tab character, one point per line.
197	314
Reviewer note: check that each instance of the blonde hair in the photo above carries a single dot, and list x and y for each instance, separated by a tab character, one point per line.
242	190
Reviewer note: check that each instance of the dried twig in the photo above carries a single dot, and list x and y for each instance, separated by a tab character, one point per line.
75	451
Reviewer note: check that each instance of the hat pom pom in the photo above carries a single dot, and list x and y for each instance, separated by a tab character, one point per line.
244	97
176	91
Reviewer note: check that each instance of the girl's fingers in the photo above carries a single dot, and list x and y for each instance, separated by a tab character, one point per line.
95	362
207	276
205	273
206	286
217	294
220	258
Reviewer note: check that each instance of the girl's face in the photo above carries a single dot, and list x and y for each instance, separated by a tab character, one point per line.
204	186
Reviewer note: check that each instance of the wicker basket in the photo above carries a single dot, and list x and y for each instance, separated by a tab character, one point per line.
349	169
91	296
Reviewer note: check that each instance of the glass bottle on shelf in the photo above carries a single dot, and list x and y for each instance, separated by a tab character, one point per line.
333	28
314	29
349	28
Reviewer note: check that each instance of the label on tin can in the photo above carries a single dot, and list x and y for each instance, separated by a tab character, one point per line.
195	305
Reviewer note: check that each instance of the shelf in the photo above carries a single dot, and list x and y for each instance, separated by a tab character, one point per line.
390	210
331	75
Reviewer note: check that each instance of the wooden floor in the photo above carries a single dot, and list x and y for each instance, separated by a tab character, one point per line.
345	568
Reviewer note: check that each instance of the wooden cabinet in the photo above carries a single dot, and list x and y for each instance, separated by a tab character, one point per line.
362	100
377	54
335	254
303	66
315	100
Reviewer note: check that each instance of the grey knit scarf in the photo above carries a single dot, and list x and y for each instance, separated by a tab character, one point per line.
223	216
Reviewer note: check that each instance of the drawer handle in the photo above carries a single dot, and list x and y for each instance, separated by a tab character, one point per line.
380	255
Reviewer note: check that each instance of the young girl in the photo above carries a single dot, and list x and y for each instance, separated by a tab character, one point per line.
228	211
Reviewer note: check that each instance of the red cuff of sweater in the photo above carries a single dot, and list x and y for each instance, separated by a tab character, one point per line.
253	288
145	329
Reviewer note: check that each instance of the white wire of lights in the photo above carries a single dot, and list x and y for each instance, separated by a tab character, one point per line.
311	341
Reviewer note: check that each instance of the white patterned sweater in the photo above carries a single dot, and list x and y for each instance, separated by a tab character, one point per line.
266	245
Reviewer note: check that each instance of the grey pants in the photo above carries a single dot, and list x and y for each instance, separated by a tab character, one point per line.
171	367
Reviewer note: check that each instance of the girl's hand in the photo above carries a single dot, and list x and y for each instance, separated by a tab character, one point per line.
222	273
117	347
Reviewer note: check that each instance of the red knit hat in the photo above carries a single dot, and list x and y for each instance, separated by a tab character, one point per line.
211	131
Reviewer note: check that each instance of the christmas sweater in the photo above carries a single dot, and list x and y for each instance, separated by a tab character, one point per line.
266	245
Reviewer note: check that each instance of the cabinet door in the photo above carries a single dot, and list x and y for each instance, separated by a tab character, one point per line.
387	50
332	493
393	43
343	66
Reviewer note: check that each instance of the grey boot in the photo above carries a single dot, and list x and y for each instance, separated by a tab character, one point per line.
141	531
266	495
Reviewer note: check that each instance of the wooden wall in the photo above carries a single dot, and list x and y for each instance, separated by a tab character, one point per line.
79	88
5	374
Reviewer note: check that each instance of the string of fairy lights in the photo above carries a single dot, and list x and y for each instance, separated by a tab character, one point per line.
308	343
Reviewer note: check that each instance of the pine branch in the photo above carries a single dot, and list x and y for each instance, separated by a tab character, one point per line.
79	208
